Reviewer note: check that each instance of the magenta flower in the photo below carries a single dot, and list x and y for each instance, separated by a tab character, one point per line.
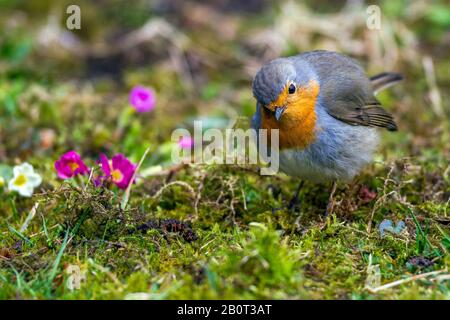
119	169
186	142
142	99
69	165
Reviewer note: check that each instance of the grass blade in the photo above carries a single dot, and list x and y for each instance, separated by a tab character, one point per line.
20	235
126	195
57	261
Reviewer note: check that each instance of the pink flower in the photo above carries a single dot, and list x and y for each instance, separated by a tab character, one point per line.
119	169
69	165
142	99
186	142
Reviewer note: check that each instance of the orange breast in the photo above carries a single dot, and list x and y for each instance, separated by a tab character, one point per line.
297	126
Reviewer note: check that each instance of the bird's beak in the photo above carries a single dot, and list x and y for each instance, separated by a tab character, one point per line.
279	112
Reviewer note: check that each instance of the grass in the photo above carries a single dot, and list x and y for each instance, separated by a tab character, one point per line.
209	232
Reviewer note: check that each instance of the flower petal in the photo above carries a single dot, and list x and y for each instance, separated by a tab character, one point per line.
142	99
25	191
126	168
105	164
70	164
26	168
34	180
12	185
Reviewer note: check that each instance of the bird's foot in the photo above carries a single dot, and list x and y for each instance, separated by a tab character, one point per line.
330	208
294	203
331	202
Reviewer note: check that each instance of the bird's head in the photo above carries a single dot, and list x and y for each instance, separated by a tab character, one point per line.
287	93
285	90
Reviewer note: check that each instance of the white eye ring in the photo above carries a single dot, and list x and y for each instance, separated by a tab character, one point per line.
291	88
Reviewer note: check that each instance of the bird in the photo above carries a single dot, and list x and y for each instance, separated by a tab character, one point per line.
324	106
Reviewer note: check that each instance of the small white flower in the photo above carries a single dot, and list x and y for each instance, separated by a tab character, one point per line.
24	180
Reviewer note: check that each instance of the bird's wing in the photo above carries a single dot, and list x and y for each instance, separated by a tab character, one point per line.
352	101
366	114
345	91
347	94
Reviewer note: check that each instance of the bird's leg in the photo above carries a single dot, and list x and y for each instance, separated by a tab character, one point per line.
294	199
330	205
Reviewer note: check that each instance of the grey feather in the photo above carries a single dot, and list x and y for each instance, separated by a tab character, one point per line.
384	80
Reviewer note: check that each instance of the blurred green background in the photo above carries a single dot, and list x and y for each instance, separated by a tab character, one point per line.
200	56
66	89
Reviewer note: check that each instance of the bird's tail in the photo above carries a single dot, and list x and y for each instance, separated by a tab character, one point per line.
385	80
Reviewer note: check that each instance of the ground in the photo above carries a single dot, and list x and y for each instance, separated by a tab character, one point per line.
215	231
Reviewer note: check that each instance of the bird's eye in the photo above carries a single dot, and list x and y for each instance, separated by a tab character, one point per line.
291	89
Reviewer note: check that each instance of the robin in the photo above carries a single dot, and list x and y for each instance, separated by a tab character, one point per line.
324	106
